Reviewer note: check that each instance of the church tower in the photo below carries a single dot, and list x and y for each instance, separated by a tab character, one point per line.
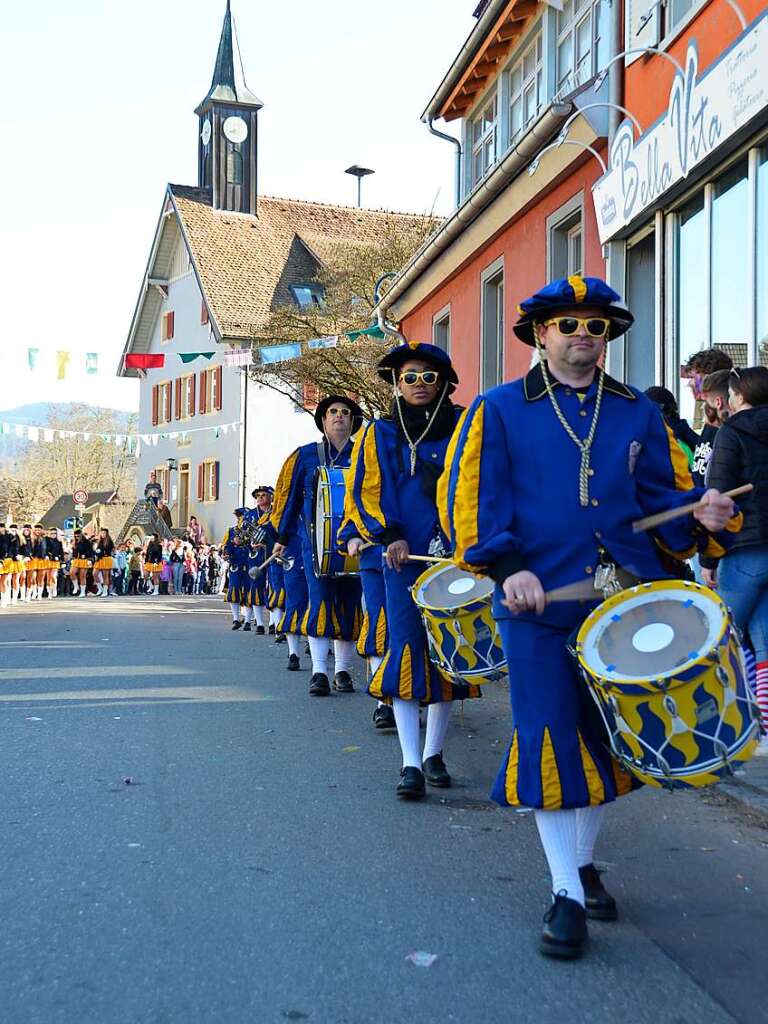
227	146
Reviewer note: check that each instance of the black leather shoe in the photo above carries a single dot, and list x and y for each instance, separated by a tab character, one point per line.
565	929
247	627
384	717
281	638
601	906
271	630
342	683
435	772
260	630
411	785
237	624
319	687
293	663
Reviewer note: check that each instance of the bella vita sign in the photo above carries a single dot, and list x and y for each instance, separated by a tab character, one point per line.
702	115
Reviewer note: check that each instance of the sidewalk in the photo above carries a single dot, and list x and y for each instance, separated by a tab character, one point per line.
749	787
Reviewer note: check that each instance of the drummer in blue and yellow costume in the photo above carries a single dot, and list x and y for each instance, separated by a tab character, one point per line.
545	476
274	589
333	611
394	490
373	641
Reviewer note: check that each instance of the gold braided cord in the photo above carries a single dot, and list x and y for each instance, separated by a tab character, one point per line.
585	445
413	445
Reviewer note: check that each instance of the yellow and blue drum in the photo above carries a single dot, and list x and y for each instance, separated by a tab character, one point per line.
328	502
457	611
666	668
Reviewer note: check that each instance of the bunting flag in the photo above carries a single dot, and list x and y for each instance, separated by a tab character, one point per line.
189	357
279	353
330	342
34	433
238	357
144	361
62	362
91	362
32	354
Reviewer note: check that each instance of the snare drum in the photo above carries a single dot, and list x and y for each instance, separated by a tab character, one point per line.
666	669
457	611
328	504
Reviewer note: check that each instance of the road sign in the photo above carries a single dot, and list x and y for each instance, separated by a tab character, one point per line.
80	497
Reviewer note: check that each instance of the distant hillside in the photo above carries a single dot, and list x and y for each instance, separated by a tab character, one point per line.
39	414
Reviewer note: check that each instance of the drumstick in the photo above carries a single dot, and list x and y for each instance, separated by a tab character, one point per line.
648	522
427	558
581	590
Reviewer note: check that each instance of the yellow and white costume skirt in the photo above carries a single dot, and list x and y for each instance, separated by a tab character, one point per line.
153	567
107	562
80	563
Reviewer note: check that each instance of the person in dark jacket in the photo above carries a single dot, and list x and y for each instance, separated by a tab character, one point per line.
696	370
684	433
740	456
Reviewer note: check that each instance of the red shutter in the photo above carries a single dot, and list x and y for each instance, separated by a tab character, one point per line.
215	482
155	404
203	313
217	371
201	482
191	397
170	324
203	389
177	398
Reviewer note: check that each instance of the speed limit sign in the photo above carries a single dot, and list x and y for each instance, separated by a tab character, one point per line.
80	497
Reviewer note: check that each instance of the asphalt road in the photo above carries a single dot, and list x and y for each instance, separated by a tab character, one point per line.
188	837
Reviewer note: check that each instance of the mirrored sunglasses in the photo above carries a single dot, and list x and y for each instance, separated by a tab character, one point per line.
425	376
595	326
338	411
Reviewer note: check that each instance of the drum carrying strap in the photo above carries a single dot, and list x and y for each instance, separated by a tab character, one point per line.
321	456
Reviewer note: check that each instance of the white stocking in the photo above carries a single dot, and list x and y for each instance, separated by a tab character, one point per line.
248	613
344	655
294	643
588	822
235	611
407	721
438	717
318	649
557	830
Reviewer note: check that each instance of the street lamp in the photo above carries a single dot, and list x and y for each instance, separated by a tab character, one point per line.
562	140
359	172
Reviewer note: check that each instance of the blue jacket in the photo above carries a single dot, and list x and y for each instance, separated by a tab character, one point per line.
510	495
237	554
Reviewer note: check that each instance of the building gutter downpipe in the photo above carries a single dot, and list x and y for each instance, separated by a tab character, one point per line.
457	144
615	73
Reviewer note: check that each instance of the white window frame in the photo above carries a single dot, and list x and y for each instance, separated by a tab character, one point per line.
488	140
566	82
487	277
534	80
165	401
442	319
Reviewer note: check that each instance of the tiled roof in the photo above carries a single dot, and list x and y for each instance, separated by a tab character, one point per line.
64	508
246	263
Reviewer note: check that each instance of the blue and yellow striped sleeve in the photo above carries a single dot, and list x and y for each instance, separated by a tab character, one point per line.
349	528
373	489
476	508
664	482
288	498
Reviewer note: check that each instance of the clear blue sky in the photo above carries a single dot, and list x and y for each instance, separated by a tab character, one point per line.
96	115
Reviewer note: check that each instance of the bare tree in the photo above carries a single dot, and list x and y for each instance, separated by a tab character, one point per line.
347	278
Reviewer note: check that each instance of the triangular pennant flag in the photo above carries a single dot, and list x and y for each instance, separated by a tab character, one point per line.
32	354
62	362
91	362
144	361
188	357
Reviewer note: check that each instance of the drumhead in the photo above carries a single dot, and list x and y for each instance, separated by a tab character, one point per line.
652	631
447	586
321	514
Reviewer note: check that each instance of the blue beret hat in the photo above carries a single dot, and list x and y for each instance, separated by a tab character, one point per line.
567	293
431	354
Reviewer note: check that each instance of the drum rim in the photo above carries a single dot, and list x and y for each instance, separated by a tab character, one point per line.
616	599
436	570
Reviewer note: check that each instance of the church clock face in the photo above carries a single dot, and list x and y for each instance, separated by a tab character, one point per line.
205	134
235	130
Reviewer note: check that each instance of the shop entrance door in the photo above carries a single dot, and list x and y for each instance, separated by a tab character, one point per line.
640	346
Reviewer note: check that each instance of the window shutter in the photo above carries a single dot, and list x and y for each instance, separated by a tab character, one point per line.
217	371
201	482
155	404
191	396
215	481
177	397
203	313
170	324
203	389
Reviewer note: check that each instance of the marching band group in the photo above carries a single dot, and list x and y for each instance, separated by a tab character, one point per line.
532	489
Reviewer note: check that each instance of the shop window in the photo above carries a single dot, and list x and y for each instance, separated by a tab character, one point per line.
484	132
729	247
526	89
761	278
692	313
492	347
578	40
441	329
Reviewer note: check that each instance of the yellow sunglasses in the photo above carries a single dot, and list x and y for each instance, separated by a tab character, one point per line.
412	377
595	326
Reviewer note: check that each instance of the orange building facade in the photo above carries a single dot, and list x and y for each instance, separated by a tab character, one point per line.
626	141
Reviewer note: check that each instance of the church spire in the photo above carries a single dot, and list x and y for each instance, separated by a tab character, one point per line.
228	84
227	149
